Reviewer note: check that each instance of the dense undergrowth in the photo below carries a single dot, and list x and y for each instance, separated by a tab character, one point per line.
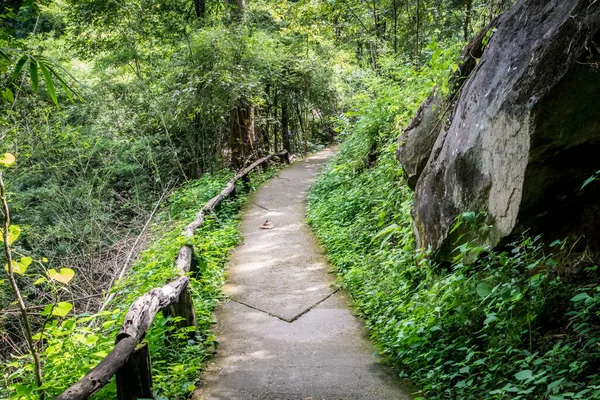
512	325
72	347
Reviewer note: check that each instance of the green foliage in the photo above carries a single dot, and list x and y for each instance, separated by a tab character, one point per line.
510	325
71	347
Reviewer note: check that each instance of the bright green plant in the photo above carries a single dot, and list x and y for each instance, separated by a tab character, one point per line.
69	346
492	324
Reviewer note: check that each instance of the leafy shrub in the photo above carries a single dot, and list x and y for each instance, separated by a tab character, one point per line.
71	347
507	326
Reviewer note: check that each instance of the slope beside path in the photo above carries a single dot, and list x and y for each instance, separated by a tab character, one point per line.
285	332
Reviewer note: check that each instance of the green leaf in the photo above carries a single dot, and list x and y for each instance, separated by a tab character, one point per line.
20	267
64	276
91	339
49	83
19	66
68	90
33	74
554	386
580	297
483	290
490	318
14	231
17	268
7	160
62	309
522	375
8	95
588	181
39	280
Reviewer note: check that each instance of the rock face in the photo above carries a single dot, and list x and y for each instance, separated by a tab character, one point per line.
523	135
419	136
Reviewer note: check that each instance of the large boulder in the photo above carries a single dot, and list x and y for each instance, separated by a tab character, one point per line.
524	133
418	138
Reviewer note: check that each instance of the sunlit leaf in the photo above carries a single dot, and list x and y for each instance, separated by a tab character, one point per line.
62	309
18	267
63	276
39	280
7	160
91	339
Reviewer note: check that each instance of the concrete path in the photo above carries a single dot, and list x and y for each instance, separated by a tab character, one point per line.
285	332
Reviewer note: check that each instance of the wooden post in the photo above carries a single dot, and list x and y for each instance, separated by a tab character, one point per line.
134	378
184	308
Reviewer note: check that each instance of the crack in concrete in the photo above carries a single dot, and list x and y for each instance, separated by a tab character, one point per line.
295	317
263	207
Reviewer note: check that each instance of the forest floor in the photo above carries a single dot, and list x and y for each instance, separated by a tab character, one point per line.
285	331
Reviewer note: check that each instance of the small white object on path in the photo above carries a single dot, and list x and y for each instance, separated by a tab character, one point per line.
286	333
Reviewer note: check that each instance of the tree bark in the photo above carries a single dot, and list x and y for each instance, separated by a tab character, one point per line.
418	32
238	10
395	15
200	8
134	378
285	129
467	19
242	136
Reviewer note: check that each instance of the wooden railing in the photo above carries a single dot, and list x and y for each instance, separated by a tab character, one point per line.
129	360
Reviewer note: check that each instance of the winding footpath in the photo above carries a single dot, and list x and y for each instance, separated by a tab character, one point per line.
285	332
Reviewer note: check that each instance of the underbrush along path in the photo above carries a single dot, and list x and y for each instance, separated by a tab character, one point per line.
285	332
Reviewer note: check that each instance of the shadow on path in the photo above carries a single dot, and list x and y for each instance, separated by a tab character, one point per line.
286	333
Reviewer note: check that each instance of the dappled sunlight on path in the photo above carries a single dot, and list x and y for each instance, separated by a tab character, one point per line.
285	332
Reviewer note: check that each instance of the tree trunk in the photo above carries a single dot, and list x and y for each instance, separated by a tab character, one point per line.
238	10
134	378
467	19
285	130
418	32
241	133
395	14
200	8
275	128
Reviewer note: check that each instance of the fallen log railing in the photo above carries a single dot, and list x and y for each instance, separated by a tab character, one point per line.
129	360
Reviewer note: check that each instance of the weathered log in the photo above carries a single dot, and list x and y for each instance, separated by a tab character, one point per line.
138	319
134	378
144	308
229	189
184	259
101	373
184	308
